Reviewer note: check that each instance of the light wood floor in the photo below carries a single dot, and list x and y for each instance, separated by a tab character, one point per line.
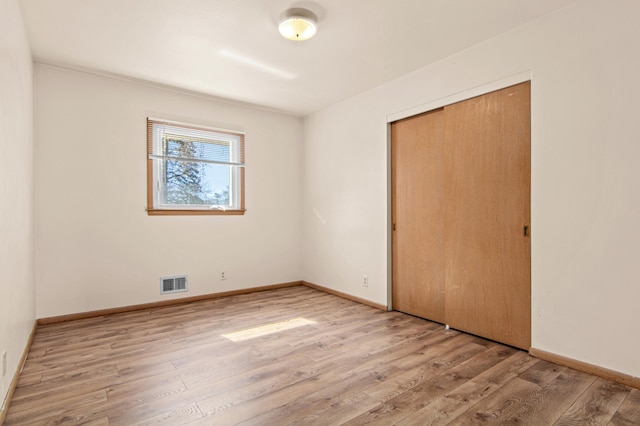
353	365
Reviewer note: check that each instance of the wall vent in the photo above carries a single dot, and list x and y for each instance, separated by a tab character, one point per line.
173	284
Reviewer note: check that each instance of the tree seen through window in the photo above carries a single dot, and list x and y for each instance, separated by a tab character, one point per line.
189	182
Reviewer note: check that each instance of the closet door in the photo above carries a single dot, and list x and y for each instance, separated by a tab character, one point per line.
417	169
487	259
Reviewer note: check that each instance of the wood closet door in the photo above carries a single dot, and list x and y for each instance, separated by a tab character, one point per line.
417	176
487	193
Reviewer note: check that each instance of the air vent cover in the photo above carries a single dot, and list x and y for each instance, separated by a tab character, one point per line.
173	284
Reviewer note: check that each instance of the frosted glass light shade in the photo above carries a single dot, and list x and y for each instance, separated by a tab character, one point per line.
297	28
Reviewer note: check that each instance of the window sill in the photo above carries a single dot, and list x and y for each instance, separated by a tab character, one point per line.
213	212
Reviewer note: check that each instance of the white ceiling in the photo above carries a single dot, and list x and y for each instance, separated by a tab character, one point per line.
232	48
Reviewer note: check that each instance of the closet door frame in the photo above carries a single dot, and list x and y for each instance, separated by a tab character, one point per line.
458	96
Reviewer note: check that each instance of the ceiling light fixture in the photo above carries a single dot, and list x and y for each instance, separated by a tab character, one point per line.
298	24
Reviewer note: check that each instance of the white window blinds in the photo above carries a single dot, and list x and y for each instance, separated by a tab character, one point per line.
166	141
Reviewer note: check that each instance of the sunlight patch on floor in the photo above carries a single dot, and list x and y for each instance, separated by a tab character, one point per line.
267	329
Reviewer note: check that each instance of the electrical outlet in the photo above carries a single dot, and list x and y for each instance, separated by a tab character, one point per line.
365	281
4	363
223	275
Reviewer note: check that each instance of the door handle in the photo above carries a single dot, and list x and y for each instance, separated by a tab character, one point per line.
526	231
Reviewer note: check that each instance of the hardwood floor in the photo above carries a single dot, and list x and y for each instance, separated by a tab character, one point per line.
353	365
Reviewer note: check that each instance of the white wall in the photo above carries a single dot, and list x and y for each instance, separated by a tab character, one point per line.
97	248
17	285
585	65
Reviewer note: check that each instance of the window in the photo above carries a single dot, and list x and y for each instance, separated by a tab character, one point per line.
194	170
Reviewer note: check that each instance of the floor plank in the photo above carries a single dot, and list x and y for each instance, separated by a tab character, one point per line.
628	414
352	364
497	407
597	405
554	399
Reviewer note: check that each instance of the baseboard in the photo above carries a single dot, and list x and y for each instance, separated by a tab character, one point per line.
605	373
345	295
130	308
14	381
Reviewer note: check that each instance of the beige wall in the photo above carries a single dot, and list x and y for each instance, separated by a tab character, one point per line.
585	179
17	292
96	246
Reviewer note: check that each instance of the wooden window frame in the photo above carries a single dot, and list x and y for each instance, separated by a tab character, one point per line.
155	211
